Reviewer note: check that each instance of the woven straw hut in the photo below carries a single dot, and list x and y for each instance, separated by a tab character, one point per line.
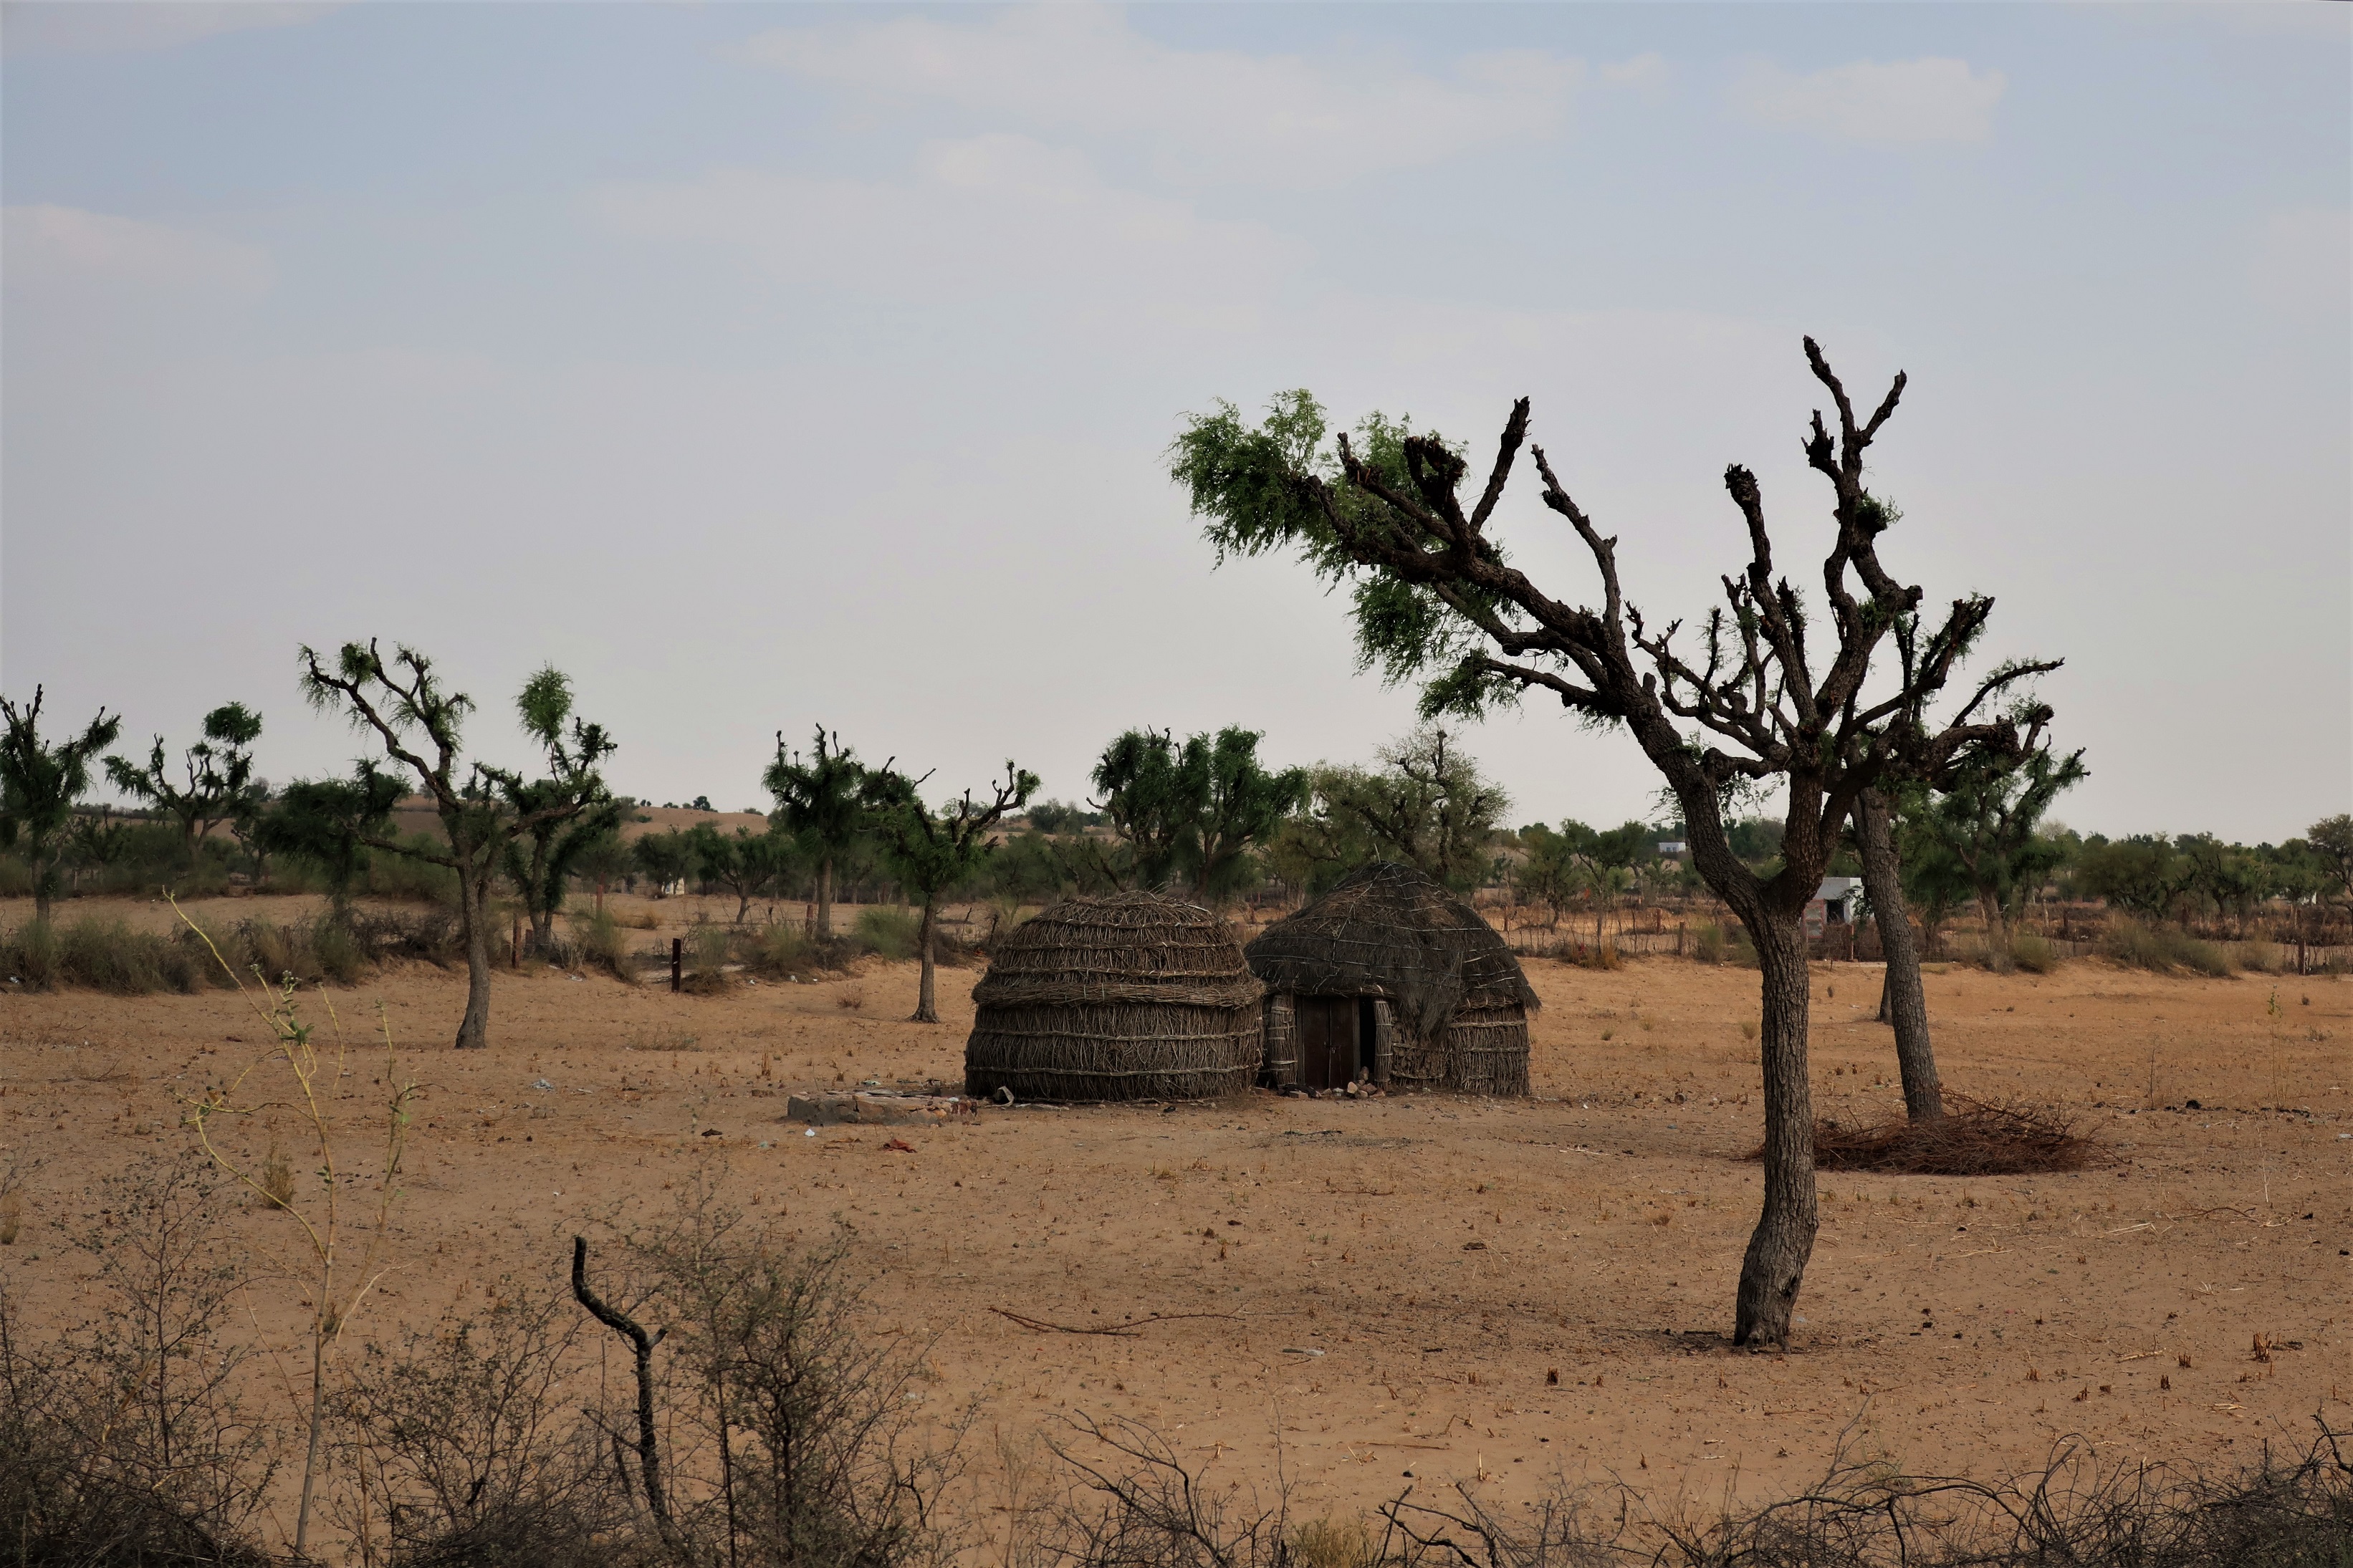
1391	975
1133	996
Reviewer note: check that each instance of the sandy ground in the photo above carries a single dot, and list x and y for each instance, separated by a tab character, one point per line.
1390	1287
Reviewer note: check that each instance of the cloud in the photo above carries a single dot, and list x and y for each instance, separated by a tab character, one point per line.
49	246
1270	120
57	26
1644	72
1930	100
984	218
2304	261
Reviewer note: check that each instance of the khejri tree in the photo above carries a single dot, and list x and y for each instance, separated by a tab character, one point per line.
1817	697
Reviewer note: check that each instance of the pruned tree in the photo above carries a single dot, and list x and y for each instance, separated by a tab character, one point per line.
1766	700
821	801
419	724
1428	805
1241	805
745	863
215	774
542	854
1153	801
931	852
328	822
40	783
664	859
1985	815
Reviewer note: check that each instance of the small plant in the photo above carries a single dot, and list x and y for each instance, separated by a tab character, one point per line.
276	1182
311	1076
1747	1028
849	998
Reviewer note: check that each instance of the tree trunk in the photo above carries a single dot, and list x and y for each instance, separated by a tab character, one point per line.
542	930
1775	1265
825	898
1997	931
926	1009
1903	999
473	915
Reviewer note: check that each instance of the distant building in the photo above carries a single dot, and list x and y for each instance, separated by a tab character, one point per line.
1673	846
1832	904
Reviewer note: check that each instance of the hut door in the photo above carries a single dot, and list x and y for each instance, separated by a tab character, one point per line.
1327	1041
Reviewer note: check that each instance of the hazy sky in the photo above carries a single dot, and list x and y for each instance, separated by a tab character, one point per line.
764	366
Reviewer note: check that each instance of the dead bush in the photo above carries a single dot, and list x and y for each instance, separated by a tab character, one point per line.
1973	1137
468	1444
121	1442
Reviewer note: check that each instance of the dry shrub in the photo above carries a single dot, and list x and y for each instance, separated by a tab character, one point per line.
430	934
601	945
2161	948
849	998
706	958
101	954
1973	1137
466	1444
278	1178
121	1442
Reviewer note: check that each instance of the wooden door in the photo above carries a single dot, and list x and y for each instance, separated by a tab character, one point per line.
1327	1041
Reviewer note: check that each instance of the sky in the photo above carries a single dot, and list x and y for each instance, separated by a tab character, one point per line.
764	367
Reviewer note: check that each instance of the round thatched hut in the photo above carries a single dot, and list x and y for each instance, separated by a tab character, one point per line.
1133	996
1390	976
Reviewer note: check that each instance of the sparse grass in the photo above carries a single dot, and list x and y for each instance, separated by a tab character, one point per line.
664	1040
2162	948
603	946
888	933
707	952
276	1182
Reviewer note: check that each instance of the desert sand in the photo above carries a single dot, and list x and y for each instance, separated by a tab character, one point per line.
1379	1288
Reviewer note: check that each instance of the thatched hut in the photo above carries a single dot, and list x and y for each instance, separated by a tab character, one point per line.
1391	975
1133	996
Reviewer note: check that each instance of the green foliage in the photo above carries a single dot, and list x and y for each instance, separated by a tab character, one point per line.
746	864
1983	829
887	933
1029	867
1198	808
39	784
820	799
1060	816
604	945
1427	805
2162	948
663	859
103	954
327	822
219	771
2330	844
2140	874
931	852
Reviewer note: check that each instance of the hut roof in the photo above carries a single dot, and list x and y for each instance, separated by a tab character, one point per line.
1124	947
1388	929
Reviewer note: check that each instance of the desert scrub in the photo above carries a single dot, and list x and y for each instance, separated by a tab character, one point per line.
101	954
2162	948
887	933
603	945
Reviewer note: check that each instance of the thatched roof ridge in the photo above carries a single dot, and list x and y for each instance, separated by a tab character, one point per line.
1122	947
1390	929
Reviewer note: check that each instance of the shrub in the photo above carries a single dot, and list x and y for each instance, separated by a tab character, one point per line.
99	954
706	955
777	950
888	933
603	945
2162	948
428	934
2032	953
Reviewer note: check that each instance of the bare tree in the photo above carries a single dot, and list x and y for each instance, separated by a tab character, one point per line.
1762	705
483	809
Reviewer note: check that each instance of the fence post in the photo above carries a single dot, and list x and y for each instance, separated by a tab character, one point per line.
677	962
